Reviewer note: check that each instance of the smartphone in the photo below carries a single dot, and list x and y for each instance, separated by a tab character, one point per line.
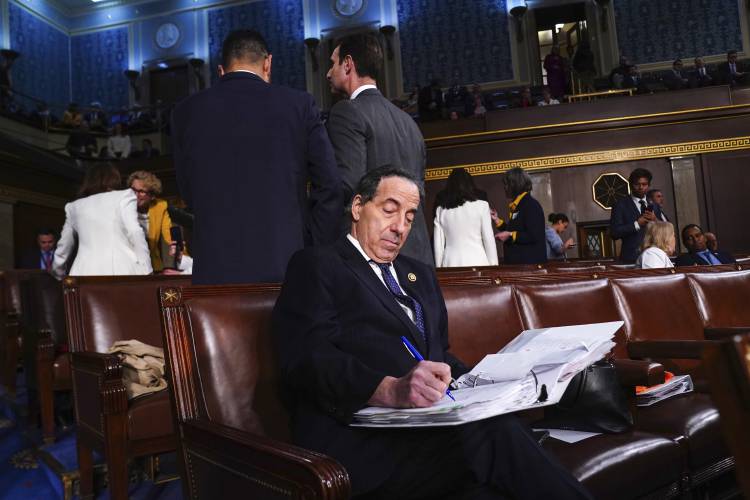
175	232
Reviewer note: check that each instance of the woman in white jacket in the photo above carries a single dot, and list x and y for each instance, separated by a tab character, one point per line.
103	224
463	233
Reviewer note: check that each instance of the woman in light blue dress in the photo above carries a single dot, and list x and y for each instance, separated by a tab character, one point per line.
556	248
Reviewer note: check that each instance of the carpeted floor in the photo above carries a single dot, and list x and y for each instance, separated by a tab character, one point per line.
25	475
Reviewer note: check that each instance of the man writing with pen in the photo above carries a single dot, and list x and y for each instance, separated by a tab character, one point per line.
338	328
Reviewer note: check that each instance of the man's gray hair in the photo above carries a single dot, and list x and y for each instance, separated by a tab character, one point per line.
368	184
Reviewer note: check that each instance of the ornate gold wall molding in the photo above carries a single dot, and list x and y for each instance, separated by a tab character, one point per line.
596	157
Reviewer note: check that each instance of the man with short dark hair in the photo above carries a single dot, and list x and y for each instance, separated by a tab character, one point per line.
631	214
675	80
730	72
368	131
337	326
700	77
244	153
44	255
698	253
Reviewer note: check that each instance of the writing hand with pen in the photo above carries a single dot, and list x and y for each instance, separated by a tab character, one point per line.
423	386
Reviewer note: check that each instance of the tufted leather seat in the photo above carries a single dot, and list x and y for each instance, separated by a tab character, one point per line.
722	298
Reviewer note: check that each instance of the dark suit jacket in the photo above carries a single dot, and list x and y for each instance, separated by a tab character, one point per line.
675	81
530	246
370	132
622	227
31	259
698	80
337	330
244	151
724	74
693	259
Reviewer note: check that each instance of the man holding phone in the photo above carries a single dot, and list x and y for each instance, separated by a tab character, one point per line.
631	214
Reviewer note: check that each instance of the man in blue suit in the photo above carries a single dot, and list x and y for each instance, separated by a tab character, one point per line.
244	152
631	214
337	327
698	253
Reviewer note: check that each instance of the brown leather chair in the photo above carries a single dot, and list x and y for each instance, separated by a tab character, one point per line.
728	369
234	438
13	341
46	360
662	323
99	311
722	299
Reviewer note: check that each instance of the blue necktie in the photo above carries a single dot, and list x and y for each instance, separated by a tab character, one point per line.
399	295
711	258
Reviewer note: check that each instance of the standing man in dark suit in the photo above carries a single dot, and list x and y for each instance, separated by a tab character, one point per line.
698	253
43	256
337	327
631	214
368	131
244	152
523	234
655	199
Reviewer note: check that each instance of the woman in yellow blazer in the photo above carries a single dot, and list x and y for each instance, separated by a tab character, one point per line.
152	214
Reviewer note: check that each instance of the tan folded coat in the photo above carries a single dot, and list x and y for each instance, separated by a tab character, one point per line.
142	367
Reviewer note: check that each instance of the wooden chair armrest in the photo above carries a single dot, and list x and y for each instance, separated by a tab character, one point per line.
98	387
250	465
634	372
724	332
667	349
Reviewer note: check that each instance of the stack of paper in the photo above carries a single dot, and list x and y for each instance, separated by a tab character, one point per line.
536	363
679	384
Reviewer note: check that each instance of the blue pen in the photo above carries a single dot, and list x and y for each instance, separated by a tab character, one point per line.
415	354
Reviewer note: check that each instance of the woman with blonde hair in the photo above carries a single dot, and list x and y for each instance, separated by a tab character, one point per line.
658	245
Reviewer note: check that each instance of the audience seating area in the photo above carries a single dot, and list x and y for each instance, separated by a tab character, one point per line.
232	427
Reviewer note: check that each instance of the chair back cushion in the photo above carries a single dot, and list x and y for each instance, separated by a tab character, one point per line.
481	320
545	305
221	356
723	299
100	310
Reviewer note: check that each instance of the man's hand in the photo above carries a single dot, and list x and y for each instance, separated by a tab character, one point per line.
423	386
503	235
646	217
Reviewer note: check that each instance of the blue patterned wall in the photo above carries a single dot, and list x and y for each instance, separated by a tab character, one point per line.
663	30
282	24
454	40
42	69
97	62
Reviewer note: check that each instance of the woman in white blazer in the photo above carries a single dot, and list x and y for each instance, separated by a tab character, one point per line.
658	244
103	224
463	233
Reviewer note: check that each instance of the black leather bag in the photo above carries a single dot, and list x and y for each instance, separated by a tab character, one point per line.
593	402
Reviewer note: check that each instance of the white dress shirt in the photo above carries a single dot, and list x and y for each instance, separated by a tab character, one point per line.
376	270
361	89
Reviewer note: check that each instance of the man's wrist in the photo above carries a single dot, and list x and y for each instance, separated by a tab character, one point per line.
384	394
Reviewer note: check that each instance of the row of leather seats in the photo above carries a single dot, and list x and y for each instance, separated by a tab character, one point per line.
223	378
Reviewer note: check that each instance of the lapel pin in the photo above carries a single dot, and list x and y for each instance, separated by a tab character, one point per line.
412	277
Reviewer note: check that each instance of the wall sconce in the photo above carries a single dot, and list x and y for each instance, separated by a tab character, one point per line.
604	13
518	9
387	31
312	48
197	65
132	76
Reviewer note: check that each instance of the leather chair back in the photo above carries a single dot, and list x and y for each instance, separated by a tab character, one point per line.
722	298
545	305
100	310
221	358
481	320
660	308
47	306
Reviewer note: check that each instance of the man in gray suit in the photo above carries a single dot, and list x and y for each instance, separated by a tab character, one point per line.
368	132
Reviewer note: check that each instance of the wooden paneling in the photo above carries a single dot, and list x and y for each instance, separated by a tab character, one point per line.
726	179
28	219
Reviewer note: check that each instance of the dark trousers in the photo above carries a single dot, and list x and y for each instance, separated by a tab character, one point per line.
490	459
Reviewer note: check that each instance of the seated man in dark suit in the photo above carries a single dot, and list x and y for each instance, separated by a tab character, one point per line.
700	77
731	72
337	327
698	252
675	80
631	214
43	256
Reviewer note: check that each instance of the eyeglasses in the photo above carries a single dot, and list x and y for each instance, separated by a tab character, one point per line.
142	191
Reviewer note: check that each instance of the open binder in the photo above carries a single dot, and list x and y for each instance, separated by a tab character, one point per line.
533	370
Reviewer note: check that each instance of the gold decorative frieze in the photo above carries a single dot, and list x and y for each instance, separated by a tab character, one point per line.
596	157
